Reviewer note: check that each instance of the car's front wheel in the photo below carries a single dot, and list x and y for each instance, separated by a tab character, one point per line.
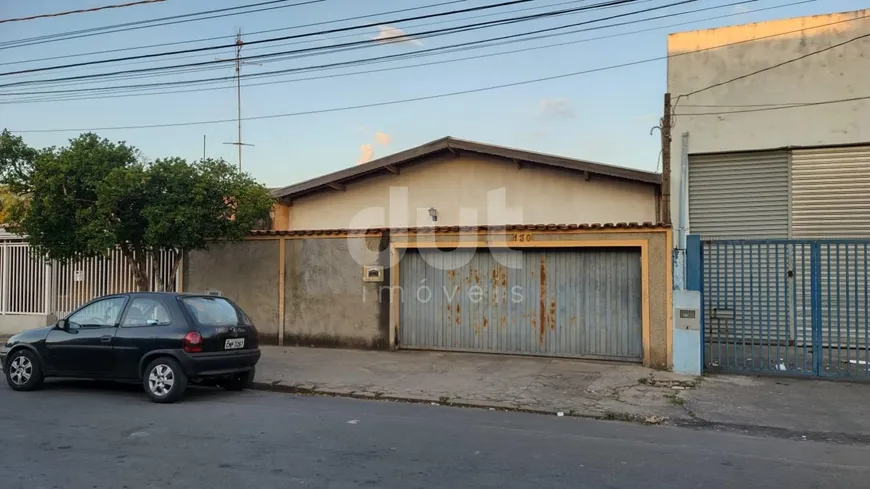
23	371
240	381
164	380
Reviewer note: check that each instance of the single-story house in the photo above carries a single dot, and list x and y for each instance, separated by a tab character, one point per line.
451	246
453	182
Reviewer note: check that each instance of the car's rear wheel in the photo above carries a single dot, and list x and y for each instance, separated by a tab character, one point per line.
23	371
240	381
164	380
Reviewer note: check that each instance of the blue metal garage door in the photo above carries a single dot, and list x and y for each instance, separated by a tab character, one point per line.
563	302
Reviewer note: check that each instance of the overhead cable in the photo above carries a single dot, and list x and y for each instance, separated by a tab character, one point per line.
79	11
456	93
149	23
137	90
401	56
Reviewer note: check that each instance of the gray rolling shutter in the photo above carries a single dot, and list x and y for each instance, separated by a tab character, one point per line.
831	199
742	196
739	195
831	192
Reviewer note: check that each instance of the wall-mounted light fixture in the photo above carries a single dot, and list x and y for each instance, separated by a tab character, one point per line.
433	213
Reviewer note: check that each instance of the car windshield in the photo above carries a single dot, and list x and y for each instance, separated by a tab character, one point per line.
212	311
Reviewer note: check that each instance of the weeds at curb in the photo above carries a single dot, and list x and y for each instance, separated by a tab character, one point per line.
675	399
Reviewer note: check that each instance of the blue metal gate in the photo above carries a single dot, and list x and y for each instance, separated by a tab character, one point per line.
786	306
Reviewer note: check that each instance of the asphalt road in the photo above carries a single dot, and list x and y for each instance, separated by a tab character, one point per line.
85	435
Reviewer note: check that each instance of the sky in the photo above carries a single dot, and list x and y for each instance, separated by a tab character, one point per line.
604	116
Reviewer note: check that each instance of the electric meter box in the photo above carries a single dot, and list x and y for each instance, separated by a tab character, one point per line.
687	319
687	332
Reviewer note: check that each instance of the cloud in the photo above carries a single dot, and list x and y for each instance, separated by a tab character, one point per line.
393	35
383	138
366	151
556	108
740	9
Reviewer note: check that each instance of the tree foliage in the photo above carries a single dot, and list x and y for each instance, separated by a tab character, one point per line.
7	200
93	195
16	163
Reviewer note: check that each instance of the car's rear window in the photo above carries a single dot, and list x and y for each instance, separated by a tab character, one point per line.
212	311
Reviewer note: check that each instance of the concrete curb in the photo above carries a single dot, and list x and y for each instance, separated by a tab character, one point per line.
690	422
312	390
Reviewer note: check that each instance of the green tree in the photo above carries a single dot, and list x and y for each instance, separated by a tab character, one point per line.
7	199
93	195
16	163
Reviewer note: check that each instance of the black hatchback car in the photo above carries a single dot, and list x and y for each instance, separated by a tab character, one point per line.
164	340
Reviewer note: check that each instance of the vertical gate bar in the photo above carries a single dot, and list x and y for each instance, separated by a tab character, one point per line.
828	302
866	313
839	307
778	305
753	310
46	286
700	249
733	301
4	279
811	299
848	315
767	296
720	339
815	305
743	302
720	351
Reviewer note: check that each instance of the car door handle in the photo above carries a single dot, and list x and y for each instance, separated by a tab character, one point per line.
106	339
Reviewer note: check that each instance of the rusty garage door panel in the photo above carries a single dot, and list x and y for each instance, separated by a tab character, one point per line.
566	303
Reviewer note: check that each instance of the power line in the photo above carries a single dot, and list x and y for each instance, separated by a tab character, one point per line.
142	24
367	42
80	11
448	94
782	107
331	49
331	38
192	41
453	60
275	39
426	52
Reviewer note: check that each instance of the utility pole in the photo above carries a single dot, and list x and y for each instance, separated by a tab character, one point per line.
238	60
666	160
203	147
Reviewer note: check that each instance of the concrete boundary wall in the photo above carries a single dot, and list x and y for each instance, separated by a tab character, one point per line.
306	288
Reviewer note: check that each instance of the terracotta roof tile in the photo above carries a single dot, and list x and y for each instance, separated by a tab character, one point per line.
454	229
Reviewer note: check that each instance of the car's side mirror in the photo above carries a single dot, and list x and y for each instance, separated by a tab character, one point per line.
62	324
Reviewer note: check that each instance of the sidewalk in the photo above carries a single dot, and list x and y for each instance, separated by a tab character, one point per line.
792	408
583	388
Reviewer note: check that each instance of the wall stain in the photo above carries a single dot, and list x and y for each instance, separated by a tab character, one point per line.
553	314
543	305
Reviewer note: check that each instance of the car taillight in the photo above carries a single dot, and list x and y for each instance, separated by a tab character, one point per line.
193	342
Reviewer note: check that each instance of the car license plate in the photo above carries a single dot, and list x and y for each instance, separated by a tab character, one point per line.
234	344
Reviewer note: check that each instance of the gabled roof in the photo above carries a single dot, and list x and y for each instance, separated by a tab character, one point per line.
393	162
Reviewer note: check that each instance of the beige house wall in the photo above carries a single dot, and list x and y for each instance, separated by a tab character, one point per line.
475	190
313	293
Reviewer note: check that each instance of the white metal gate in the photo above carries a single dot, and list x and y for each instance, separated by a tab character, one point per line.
32	285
